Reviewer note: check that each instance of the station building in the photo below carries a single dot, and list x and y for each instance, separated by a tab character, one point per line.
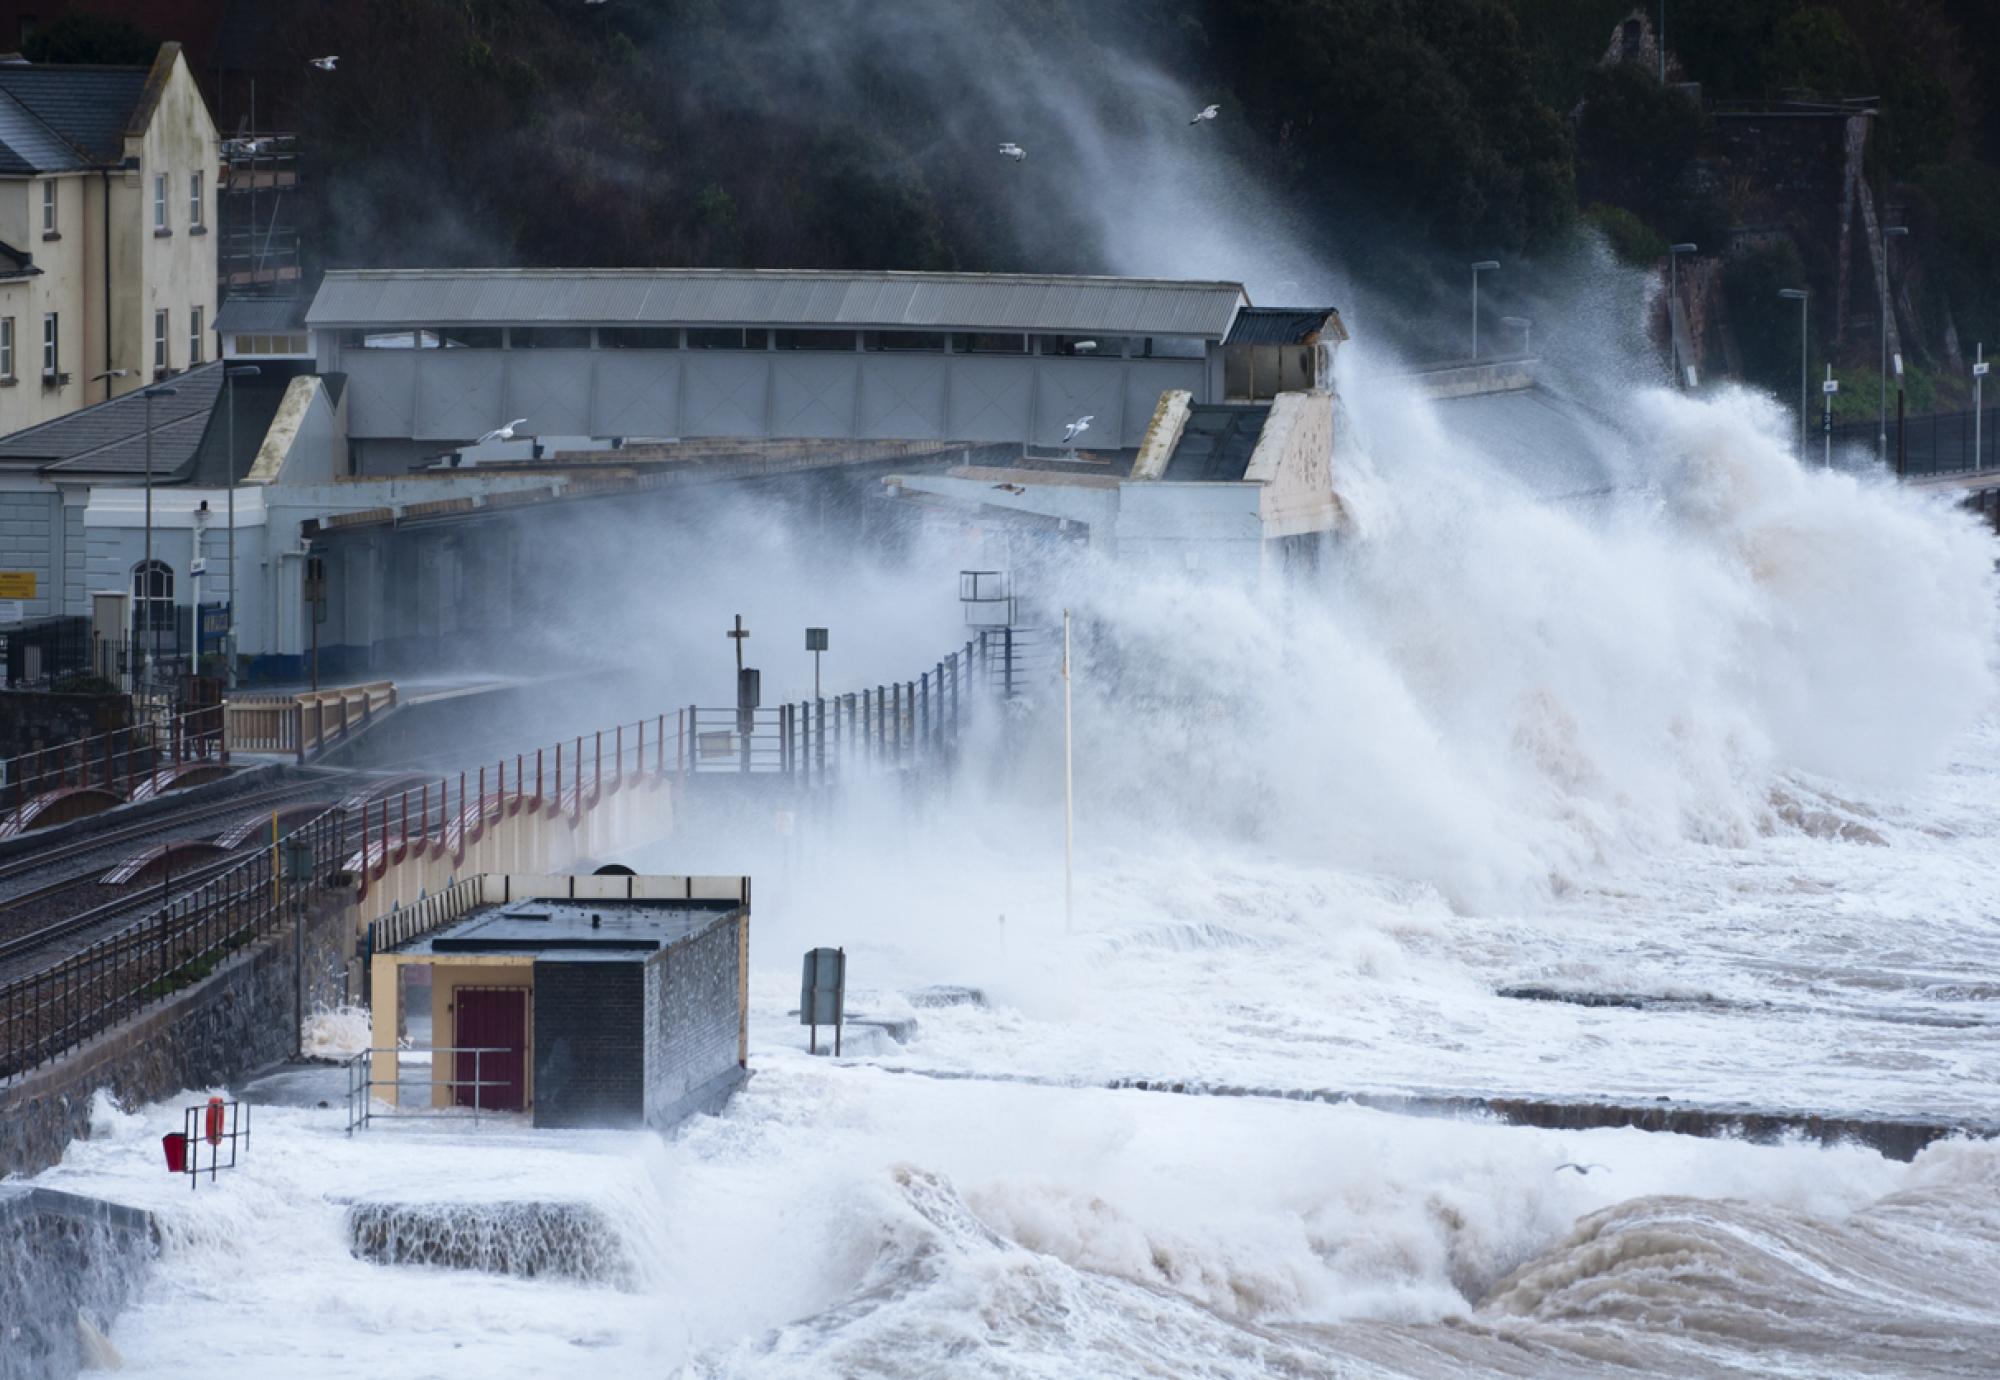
365	510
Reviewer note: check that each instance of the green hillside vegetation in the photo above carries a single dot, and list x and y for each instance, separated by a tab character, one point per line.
860	133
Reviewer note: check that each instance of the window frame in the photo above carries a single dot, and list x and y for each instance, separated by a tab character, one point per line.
51	345
50	221
196	218
161	327
6	349
194	336
160	222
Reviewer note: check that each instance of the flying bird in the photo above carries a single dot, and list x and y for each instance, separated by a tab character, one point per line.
1010	488
502	433
1077	428
325	64
1207	112
1581	1168
1013	151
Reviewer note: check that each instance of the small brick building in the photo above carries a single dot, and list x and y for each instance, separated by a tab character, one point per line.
606	1010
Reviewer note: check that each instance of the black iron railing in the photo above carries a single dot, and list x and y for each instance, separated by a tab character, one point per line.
1943	443
47	1013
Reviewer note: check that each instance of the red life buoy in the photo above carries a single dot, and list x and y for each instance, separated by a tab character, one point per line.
214	1127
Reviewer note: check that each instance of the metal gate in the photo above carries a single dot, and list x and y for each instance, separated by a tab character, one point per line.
491	1018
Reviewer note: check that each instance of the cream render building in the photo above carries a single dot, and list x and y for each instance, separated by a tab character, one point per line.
107	200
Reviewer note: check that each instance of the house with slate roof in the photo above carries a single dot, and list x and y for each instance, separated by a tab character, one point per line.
107	262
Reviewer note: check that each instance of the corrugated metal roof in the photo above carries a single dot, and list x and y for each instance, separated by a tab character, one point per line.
88	106
110	437
260	315
1277	325
775	297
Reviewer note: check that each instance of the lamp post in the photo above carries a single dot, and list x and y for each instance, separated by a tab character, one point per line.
229	636
1483	266
1674	252
157	391
1979	368
1803	297
1527	329
1889	232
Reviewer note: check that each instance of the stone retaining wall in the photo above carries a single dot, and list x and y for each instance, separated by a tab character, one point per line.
66	1262
228	1025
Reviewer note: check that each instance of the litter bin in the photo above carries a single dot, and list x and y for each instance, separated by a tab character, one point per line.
175	1145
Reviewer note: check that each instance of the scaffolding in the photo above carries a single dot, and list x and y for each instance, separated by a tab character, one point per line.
259	214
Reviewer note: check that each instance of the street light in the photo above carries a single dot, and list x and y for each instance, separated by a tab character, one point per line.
1483	266
1674	252
157	391
106	377
235	372
1889	232
1526	327
1803	298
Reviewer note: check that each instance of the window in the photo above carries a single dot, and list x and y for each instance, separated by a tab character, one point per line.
724	338
48	206
1171	347
978	343
7	348
194	201
159	203
549	337
450	337
1086	345
932	341
815	340
51	354
160	342
639	337
194	336
153	597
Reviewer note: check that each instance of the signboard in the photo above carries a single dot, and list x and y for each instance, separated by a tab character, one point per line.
1979	370
215	622
17	584
815	639
823	993
10	611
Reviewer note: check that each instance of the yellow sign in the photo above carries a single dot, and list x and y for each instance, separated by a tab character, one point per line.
17	584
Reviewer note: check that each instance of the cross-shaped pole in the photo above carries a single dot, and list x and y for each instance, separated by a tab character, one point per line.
737	635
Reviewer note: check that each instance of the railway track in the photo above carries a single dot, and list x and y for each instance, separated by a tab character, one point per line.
149	895
41	859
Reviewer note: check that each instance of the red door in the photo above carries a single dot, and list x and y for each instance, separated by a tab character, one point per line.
491	1018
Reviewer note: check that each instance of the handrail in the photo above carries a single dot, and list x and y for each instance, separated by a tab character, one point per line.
361	1083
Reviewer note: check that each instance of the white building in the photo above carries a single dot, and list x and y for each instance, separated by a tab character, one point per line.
106	258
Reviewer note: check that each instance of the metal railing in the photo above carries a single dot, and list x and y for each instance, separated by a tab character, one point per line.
124	762
48	1013
1939	444
304	724
362	1083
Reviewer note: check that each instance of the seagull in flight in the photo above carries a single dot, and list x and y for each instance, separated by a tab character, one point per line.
326	64
502	433
1077	428
1207	112
1013	151
1581	1168
1010	488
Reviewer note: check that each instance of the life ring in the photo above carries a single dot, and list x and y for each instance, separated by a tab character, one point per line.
214	1121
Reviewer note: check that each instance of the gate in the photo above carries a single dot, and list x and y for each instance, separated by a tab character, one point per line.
491	1018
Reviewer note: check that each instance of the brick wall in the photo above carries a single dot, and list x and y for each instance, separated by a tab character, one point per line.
693	1015
589	1018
